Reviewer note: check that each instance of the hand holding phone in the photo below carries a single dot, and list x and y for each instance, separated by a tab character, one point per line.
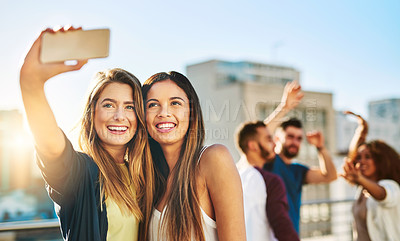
34	73
74	45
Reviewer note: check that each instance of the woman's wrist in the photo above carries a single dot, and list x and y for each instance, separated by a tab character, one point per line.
361	180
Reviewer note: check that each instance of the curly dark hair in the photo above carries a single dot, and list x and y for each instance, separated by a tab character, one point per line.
386	159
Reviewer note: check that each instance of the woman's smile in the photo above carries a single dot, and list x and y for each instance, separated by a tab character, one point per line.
167	112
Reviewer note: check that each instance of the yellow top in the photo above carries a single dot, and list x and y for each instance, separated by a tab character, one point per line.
120	225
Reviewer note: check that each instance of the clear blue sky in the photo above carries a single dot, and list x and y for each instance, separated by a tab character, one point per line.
349	48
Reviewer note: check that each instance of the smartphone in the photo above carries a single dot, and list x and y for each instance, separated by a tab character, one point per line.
74	45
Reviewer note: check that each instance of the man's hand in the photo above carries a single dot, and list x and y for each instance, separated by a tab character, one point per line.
316	139
292	95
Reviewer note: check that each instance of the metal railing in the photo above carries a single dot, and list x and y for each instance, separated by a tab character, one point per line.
326	220
322	220
45	229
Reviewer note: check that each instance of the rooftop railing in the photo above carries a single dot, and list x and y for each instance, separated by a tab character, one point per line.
45	229
326	220
322	220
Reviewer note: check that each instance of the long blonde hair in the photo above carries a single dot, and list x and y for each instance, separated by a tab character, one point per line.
182	218
138	151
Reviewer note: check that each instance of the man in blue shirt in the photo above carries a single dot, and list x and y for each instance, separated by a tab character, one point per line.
289	137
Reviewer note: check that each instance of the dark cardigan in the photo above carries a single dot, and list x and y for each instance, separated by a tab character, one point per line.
72	182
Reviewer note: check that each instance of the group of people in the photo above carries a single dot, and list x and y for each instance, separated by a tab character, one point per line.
272	180
144	173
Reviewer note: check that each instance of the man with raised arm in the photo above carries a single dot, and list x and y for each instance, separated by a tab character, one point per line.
288	140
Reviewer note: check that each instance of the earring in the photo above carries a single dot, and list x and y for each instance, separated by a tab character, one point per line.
126	156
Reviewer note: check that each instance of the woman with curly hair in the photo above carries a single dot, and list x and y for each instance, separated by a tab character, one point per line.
375	167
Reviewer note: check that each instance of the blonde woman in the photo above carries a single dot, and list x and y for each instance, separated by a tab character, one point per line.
198	189
100	193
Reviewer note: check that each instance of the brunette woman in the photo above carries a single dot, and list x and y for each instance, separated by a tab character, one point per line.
198	190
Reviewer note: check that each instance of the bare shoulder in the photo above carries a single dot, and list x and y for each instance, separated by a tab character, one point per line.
214	154
223	186
216	158
216	149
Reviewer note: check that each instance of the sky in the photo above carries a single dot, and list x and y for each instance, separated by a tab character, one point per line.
348	48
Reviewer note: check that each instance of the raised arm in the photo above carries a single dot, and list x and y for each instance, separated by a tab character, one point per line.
291	98
225	189
326	172
359	137
49	139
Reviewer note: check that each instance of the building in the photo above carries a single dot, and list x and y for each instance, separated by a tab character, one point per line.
22	192
16	152
235	92
384	121
342	193
345	129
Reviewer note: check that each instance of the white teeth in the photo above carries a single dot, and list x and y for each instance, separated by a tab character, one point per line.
165	126
117	128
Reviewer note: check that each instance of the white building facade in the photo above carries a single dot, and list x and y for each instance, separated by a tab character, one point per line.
384	121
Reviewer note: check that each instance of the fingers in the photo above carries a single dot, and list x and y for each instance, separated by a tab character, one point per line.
33	67
351	174
316	139
313	134
65	28
347	166
62	68
310	137
292	95
71	28
350	168
296	86
295	91
345	176
300	96
292	86
77	66
33	53
35	49
347	112
80	64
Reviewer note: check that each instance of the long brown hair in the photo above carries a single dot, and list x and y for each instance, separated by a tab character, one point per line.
138	150
182	218
386	160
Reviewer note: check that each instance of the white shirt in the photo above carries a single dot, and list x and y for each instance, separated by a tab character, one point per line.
383	217
255	201
209	227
